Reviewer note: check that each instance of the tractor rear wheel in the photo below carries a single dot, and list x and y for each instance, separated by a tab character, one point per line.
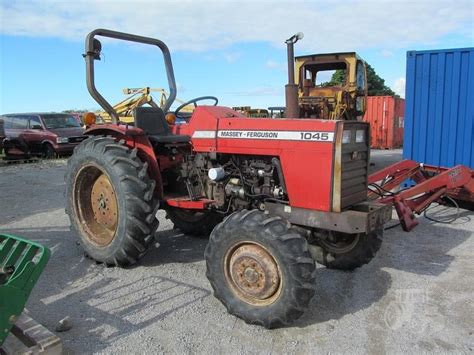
110	201
196	223
260	269
346	251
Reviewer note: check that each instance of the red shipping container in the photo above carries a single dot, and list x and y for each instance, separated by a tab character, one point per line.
385	115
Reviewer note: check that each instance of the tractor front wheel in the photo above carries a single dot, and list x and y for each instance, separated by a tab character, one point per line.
259	269
346	251
110	201
195	223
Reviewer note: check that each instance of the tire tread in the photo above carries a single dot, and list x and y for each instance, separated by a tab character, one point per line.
295	258
138	192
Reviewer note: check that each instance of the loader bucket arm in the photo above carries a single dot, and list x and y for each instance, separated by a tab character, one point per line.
431	184
21	264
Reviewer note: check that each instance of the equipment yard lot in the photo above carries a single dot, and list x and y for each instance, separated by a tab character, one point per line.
416	295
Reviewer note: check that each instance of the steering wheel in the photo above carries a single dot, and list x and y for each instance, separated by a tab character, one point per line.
194	101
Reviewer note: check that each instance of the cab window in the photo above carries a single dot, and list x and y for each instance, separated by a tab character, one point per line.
360	76
325	74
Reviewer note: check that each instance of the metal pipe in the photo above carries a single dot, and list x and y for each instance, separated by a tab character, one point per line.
89	57
291	89
291	62
93	53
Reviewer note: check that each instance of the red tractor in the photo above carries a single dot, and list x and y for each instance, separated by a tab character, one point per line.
275	195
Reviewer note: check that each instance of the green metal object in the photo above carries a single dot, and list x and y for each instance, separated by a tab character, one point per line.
21	264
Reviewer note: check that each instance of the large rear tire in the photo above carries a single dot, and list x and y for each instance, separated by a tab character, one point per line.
259	269
195	223
110	203
347	251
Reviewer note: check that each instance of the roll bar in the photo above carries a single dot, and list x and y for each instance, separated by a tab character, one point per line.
93	48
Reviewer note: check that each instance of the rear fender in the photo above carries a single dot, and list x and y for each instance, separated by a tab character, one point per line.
134	138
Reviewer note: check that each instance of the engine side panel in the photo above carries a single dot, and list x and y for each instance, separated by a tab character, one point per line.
305	148
203	126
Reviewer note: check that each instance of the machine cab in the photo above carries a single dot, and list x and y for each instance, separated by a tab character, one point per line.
331	86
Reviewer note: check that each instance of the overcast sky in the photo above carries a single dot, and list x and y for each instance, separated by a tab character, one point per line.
230	49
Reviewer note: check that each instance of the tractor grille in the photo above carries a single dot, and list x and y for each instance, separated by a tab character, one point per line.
354	168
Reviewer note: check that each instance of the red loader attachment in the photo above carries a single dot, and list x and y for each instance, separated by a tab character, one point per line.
431	185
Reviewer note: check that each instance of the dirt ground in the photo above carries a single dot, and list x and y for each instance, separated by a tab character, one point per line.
415	296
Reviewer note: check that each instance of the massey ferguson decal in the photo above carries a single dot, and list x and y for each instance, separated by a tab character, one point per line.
313	136
278	135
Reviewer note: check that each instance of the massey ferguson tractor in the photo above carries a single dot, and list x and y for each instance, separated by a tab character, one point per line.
275	195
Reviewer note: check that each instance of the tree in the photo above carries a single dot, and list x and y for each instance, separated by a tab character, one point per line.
337	79
75	111
376	85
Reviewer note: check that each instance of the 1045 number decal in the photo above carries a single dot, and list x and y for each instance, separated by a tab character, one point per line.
315	136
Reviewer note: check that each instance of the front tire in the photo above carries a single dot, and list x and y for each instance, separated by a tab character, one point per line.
347	251
110	203
195	223
259	269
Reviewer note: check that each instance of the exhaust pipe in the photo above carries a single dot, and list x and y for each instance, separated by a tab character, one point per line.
291	89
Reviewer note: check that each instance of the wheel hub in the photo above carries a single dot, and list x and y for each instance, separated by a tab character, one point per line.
254	273
251	275
104	203
339	243
96	205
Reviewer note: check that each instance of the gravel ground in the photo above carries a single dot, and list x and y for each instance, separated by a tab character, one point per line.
415	296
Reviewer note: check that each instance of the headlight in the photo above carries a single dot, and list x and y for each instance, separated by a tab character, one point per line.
62	140
360	136
346	137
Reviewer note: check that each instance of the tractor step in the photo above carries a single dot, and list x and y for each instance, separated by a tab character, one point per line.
27	336
187	203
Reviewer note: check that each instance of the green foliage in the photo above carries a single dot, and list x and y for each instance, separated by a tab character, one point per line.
376	85
337	78
75	111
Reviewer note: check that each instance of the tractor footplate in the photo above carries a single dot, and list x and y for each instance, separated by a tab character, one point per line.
187	203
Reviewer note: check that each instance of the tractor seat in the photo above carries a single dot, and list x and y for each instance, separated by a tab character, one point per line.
152	121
